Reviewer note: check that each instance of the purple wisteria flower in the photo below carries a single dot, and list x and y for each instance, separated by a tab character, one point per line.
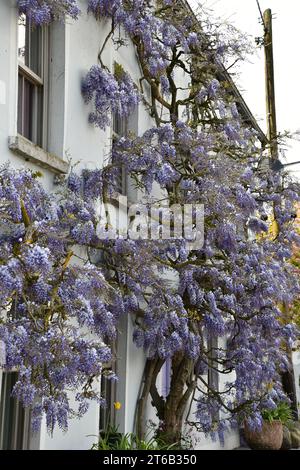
111	94
41	12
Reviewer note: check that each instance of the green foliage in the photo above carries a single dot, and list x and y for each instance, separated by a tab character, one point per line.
112	439
118	71
282	413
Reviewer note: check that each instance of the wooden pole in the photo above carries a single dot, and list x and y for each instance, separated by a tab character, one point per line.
288	377
270	85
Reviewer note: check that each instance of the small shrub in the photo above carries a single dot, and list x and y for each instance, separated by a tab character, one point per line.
282	413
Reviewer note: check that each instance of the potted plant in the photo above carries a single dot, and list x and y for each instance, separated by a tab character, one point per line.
270	436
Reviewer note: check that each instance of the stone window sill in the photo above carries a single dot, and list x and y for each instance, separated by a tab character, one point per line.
35	154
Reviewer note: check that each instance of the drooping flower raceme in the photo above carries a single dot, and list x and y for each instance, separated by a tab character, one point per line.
41	12
110	93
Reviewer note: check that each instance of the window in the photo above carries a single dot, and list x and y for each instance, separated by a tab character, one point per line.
107	414
108	392
14	418
32	81
122	126
166	377
120	129
213	375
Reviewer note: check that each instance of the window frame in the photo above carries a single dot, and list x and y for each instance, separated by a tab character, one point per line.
39	83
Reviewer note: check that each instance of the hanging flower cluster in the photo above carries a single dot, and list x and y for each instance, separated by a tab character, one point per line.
112	93
41	12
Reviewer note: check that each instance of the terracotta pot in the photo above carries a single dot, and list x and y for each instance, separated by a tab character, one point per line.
269	438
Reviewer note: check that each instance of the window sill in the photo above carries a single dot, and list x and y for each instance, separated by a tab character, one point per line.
35	154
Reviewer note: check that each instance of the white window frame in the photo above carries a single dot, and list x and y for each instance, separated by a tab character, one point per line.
39	83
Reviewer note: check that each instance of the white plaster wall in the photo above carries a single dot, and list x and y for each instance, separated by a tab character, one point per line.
82	141
231	442
81	435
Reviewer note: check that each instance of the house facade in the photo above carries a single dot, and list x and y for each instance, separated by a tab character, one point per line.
44	124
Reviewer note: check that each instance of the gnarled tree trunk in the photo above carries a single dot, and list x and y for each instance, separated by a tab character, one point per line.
170	410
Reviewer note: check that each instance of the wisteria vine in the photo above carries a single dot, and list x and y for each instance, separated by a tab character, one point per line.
43	12
199	150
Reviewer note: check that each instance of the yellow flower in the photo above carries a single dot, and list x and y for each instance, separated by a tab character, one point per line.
117	405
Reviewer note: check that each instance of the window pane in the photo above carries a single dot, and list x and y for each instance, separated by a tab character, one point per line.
213	375
14	419
106	413
30	110
120	125
20	104
27	109
35	55
39	116
30	44
22	38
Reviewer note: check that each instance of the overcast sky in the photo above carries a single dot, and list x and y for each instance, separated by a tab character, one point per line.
286	27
